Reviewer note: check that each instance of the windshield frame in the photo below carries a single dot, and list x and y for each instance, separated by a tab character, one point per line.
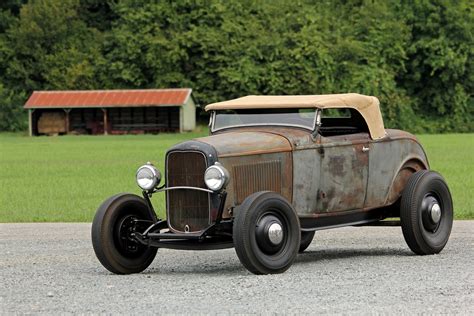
311	129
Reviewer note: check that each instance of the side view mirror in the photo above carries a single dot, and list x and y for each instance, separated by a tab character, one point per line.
314	134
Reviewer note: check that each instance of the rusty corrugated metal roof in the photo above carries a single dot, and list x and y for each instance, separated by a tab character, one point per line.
107	98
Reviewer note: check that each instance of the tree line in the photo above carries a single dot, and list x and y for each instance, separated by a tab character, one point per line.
416	56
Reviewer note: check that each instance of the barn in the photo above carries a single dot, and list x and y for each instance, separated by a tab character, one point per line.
111	111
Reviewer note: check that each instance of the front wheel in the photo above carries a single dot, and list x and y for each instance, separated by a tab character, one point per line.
426	213
306	239
266	233
112	234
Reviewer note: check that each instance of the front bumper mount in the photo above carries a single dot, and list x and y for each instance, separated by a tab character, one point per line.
216	236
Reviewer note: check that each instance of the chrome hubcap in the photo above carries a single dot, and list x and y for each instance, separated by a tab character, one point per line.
275	233
435	213
431	212
270	233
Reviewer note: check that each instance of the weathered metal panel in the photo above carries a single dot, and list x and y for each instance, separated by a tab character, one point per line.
323	175
343	181
387	158
306	180
401	179
246	143
296	136
253	173
331	173
255	177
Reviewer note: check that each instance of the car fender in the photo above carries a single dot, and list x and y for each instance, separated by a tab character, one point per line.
407	167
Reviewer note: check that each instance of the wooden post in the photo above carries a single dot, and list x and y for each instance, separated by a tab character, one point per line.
181	119
105	121
30	122
67	119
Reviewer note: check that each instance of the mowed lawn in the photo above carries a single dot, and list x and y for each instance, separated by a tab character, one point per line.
65	179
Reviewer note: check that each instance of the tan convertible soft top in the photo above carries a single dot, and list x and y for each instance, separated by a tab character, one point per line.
368	106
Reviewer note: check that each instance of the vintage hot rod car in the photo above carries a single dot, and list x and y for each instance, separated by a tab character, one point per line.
274	170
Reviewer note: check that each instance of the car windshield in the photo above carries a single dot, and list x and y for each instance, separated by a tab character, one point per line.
304	118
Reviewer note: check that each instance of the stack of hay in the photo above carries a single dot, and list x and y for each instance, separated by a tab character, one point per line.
52	123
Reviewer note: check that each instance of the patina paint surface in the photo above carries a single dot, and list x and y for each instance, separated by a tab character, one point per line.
332	172
254	173
387	158
349	178
243	143
318	175
344	174
306	175
295	136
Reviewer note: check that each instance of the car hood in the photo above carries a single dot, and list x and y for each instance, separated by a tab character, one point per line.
246	143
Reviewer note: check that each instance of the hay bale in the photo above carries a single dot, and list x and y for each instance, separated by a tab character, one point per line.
52	123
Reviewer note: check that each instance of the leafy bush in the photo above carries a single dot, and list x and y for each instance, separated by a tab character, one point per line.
12	116
416	57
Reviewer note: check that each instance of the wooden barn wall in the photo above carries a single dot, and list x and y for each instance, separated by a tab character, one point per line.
143	119
138	120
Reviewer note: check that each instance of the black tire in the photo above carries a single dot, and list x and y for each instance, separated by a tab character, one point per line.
306	239
114	248
424	232
252	242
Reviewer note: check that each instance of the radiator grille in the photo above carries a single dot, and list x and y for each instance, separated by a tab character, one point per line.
187	207
260	176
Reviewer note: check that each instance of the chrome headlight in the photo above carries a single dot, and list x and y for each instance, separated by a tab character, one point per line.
148	177
216	177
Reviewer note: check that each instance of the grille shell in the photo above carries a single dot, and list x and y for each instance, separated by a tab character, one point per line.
187	207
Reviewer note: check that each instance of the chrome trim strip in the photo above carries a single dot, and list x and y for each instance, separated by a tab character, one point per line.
184	188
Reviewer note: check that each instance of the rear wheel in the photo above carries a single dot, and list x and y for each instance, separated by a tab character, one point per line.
306	239
426	212
112	234
266	233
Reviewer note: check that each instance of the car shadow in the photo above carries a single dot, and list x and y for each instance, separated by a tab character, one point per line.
228	268
310	256
337	253
234	268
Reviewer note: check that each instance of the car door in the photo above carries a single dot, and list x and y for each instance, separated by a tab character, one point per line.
344	164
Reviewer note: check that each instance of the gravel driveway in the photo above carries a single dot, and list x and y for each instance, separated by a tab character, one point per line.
51	268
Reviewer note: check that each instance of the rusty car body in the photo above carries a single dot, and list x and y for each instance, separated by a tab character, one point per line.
282	168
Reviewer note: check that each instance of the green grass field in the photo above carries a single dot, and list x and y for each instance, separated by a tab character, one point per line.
64	179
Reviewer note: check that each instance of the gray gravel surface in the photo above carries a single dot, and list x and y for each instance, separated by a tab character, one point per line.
51	268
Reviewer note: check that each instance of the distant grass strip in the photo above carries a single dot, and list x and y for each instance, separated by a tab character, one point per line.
65	179
452	155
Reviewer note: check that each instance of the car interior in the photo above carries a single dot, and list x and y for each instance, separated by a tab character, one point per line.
345	121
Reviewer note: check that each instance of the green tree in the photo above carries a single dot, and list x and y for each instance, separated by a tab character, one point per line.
440	67
416	56
12	115
9	9
53	48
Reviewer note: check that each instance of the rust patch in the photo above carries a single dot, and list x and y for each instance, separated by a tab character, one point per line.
336	165
401	180
255	177
249	173
296	137
246	143
344	174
